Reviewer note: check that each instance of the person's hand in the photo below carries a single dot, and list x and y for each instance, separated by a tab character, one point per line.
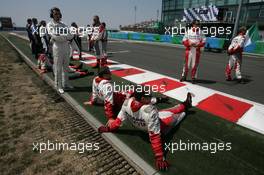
162	165
102	129
88	102
111	120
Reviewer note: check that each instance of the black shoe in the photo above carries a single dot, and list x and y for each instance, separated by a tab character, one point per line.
228	79
188	102
193	80
240	80
183	79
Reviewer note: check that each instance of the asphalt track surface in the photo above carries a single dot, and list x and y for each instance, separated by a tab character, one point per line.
169	61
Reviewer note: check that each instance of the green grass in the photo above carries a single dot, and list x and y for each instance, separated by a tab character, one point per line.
245	157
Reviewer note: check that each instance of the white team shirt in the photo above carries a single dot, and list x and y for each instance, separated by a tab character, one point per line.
146	118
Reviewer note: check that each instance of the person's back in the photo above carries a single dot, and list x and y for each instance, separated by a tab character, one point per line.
144	117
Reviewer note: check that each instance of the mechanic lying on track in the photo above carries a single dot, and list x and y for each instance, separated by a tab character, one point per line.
103	93
144	115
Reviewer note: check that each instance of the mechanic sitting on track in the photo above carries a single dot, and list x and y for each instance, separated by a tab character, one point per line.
103	93
144	115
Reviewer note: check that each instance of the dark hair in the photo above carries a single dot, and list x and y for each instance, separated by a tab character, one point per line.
55	9
34	20
73	24
29	20
196	21
139	94
42	22
103	70
103	23
242	29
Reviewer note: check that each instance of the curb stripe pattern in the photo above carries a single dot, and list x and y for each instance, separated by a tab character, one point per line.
241	111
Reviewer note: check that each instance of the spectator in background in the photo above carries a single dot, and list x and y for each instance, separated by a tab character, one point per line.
36	41
45	39
29	32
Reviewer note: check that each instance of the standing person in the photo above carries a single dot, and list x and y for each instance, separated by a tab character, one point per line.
193	40
33	30
45	39
96	40
235	55
60	49
142	114
90	44
104	44
29	32
76	41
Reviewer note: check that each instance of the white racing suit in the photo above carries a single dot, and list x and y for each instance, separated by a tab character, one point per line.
148	118
73	43
97	37
235	59
103	93
192	54
61	52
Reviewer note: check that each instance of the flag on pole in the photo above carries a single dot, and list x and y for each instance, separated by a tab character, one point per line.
252	35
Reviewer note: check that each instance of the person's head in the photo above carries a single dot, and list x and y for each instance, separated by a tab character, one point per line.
104	72
73	24
103	24
55	14
29	21
195	23
42	23
143	96
96	19
34	21
242	30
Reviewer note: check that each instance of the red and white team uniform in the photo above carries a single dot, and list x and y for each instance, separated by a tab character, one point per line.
148	118
103	92
97	37
192	54
235	60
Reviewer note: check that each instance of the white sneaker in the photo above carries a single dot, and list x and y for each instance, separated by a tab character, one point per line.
61	91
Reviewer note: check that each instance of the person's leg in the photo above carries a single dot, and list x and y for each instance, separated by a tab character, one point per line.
59	71
229	68
55	67
65	67
238	63
169	120
173	116
186	65
195	63
97	53
104	53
